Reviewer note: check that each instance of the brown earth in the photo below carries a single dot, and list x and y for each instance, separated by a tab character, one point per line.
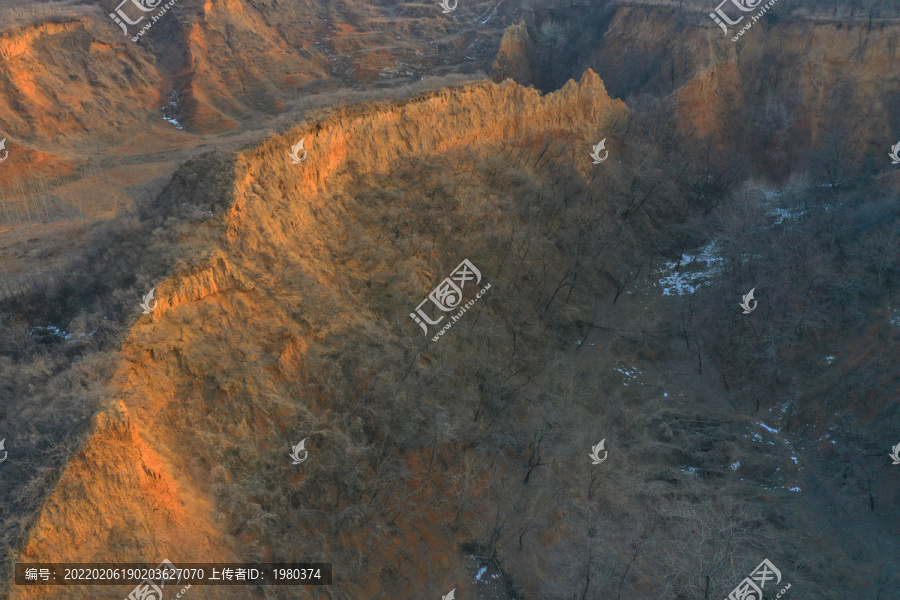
139	468
284	291
77	97
787	88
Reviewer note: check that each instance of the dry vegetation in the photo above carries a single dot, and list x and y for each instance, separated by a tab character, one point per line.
432	460
19	13
855	10
475	446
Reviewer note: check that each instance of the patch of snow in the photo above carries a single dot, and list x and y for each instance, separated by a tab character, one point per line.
481	572
795	489
172	109
767	428
198	210
826	436
493	12
772	195
830	359
782	214
757	437
735	465
52	330
60	333
692	271
895	317
631	374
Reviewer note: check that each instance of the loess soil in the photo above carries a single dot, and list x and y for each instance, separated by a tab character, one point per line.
284	291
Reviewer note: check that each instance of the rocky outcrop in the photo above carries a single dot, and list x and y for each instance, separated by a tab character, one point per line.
472	117
823	84
514	57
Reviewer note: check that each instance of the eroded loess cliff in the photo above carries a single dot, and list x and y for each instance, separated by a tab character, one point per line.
94	88
94	121
787	94
250	349
213	66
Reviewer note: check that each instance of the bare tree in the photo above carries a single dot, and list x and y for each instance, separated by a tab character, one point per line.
708	548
